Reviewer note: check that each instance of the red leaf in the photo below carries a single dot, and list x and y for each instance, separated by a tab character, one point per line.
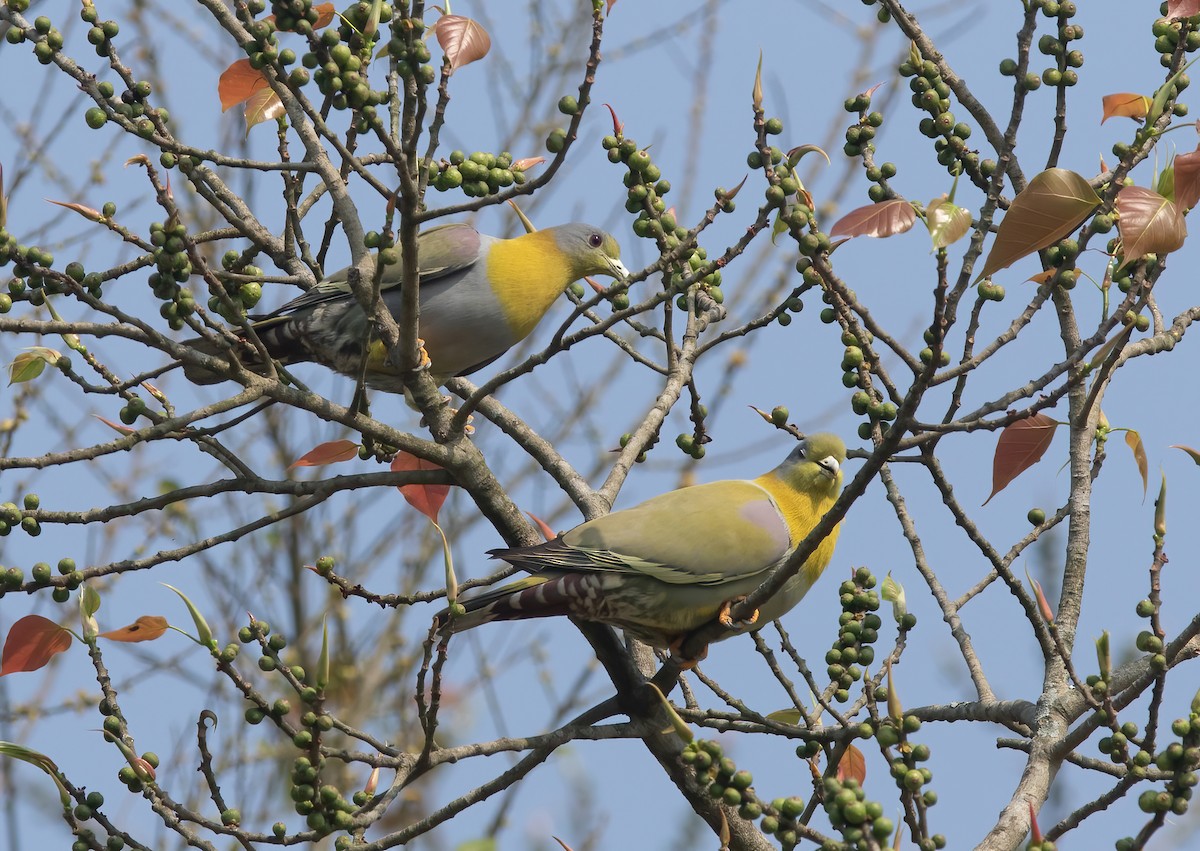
145	628
1125	105
852	765
238	83
427	499
325	14
618	127
123	429
1187	179
32	642
1035	832
463	40
1148	223
327	453
1021	445
884	219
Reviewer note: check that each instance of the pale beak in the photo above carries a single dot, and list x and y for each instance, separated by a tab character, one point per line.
617	268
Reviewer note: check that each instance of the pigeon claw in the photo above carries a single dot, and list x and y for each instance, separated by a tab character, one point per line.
727	620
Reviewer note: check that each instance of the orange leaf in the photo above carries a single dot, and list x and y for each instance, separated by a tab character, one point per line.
327	453
145	628
543	526
86	212
1187	179
1052	205
1043	277
884	219
123	429
238	83
1043	603
1125	105
852	765
1148	223
1021	445
32	642
427	499
463	40
325	14
1035	832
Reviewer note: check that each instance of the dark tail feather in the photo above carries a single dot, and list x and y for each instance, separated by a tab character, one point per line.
276	334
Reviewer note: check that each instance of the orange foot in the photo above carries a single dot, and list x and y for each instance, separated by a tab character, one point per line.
424	362
727	620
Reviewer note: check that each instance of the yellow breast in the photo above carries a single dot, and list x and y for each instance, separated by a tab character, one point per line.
802	511
527	274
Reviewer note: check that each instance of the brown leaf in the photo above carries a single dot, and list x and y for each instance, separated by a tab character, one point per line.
1182	8
1148	223
610	4
1187	179
1021	445
1052	205
879	220
325	15
756	95
564	845
145	628
327	453
32	642
1043	277
1125	105
463	40
1195	455
427	499
852	765
1134	441
238	83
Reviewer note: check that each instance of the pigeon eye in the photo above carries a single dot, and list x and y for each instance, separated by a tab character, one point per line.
595	240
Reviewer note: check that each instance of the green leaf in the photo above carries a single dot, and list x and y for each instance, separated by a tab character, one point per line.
89	604
24	754
323	661
893	592
29	364
1194	454
203	634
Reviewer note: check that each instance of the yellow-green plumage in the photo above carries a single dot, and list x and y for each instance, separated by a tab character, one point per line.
663	568
479	296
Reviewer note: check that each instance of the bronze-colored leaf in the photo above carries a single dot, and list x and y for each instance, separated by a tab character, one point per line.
886	218
427	499
145	628
1193	453
1134	441
86	212
1148	223
1020	446
32	642
1182	8
1125	105
1053	204
327	453
1035	832
1040	595
852	765
263	105
463	40
1187	179
618	127
526	163
947	222
1043	277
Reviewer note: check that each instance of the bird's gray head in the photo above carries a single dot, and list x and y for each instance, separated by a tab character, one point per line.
591	250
